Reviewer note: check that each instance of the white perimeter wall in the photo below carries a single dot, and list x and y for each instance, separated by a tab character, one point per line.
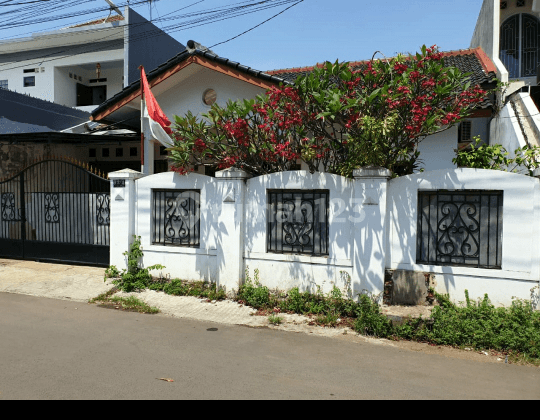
285	271
521	229
183	262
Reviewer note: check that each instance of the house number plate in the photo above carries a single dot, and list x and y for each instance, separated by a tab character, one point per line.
119	183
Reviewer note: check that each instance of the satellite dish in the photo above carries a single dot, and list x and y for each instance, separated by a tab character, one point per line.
113	7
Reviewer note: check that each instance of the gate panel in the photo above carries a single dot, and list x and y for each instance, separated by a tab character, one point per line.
65	209
11	240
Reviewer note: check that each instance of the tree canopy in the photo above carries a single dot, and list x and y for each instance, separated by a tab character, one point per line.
334	119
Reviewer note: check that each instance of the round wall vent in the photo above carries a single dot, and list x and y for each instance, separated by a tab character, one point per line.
209	97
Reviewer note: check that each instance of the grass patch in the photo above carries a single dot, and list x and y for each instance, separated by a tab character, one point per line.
275	319
130	303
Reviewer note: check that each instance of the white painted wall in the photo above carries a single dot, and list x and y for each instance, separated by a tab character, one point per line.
438	150
285	271
56	72
187	95
521	227
372	227
181	262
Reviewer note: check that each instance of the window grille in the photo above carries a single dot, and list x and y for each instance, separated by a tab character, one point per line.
464	132
176	218
460	228
520	3
504	5
520	44
3	84
29	81
298	221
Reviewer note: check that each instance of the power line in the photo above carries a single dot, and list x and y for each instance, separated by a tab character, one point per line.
256	26
221	15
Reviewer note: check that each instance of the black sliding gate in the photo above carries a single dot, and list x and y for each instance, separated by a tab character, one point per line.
55	210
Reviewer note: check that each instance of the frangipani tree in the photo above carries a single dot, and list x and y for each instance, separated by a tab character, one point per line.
334	119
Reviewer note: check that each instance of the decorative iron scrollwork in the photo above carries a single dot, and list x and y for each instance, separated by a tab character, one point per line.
460	228
297	218
10	213
52	206
103	209
298	221
177	218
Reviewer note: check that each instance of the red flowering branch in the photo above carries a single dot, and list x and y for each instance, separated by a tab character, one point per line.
334	119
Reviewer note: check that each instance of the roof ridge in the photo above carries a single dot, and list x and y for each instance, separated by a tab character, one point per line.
486	62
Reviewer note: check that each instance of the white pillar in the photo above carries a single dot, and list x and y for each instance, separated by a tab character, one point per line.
122	216
370	230
231	189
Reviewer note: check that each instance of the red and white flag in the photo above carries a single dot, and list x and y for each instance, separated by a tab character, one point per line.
156	125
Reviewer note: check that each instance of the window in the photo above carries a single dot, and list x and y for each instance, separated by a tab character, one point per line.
92	153
460	228
464	132
133	151
298	221
519	45
105	152
520	3
3	84
504	5
29	70
29	81
176	218
98	80
162	151
119	152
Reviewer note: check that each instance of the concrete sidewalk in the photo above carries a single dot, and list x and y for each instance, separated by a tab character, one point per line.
81	283
57	281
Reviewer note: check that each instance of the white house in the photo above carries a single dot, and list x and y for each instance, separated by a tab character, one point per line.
195	78
84	65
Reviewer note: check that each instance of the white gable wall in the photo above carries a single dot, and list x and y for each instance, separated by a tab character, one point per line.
187	95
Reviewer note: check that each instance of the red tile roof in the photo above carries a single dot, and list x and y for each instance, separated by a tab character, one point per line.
110	19
473	60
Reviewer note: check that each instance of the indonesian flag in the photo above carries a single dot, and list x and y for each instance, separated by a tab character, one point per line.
156	125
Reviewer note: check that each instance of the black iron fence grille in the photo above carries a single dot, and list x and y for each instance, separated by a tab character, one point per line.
176	217
460	228
298	221
55	210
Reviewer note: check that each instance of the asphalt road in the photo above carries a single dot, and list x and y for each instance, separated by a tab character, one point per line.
54	349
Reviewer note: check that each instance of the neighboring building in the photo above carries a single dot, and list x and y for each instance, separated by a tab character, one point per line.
192	78
509	32
84	65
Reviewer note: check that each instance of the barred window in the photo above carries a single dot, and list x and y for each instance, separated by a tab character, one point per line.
176	217
460	228
3	84
298	221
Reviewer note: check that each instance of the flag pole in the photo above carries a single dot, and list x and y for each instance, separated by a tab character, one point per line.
141	68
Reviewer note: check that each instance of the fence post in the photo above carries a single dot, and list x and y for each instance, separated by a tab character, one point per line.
122	216
370	230
231	190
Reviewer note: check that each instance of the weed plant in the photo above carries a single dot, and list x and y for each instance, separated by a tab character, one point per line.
135	277
479	325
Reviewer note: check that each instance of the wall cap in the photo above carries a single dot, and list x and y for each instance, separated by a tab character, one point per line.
233	173
372	172
126	174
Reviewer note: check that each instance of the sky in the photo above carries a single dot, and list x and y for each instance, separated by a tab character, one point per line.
311	31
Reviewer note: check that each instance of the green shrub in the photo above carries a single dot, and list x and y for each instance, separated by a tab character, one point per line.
135	277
